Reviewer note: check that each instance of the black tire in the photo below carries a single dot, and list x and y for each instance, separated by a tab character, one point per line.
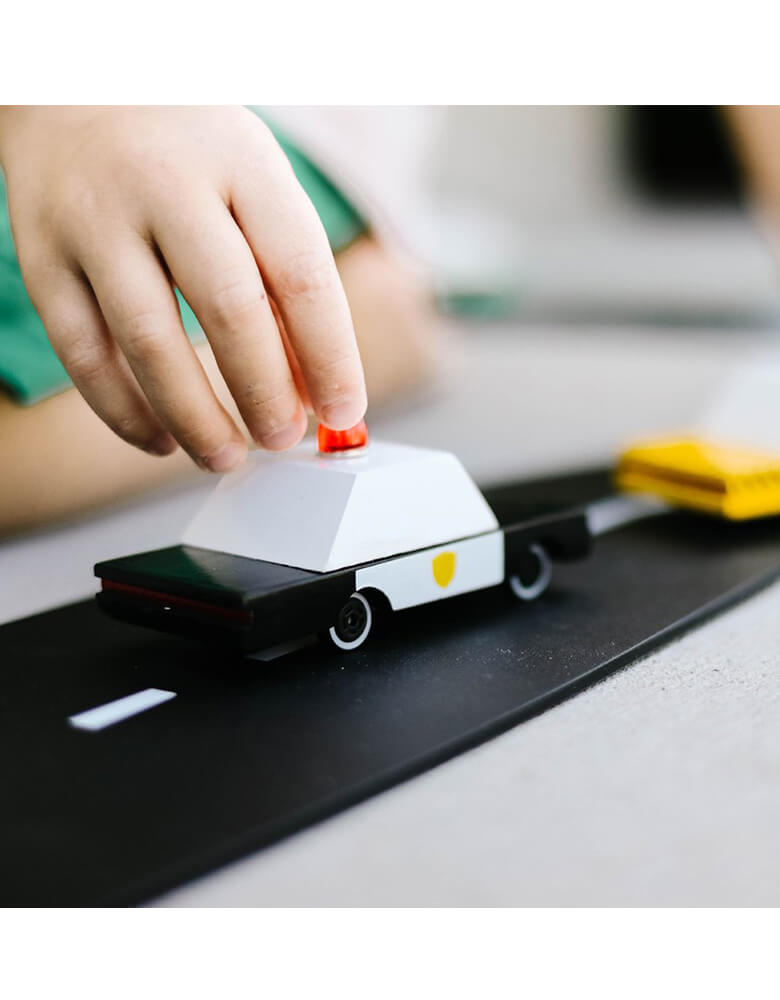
535	577
353	624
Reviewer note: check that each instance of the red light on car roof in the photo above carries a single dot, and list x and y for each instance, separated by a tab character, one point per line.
330	442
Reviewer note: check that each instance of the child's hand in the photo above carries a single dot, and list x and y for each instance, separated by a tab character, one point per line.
111	208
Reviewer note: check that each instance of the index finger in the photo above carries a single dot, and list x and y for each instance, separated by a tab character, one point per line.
292	251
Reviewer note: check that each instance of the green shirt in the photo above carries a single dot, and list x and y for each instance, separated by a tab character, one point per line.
29	368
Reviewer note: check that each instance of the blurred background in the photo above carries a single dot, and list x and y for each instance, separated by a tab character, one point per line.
577	213
603	269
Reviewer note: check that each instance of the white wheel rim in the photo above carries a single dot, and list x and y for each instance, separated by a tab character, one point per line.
529	592
340	643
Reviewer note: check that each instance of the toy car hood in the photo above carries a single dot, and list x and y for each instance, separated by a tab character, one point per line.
324	513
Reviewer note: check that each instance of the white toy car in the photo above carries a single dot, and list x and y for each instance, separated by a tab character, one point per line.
311	543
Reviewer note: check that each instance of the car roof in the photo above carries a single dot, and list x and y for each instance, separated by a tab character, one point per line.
323	513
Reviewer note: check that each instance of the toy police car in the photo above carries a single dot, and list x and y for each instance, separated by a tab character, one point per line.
317	541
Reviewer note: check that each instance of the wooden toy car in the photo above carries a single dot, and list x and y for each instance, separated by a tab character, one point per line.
315	542
736	482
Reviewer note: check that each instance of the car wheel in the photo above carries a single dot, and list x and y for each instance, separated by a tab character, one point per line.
353	624
535	575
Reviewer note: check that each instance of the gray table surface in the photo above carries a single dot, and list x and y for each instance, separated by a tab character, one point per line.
656	787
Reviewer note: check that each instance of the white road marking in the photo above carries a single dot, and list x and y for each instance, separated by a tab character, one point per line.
115	711
613	512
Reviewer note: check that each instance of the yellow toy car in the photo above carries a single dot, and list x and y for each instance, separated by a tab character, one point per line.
737	483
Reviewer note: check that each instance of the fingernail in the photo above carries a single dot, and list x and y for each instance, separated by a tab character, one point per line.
285	438
163	444
342	416
226	458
